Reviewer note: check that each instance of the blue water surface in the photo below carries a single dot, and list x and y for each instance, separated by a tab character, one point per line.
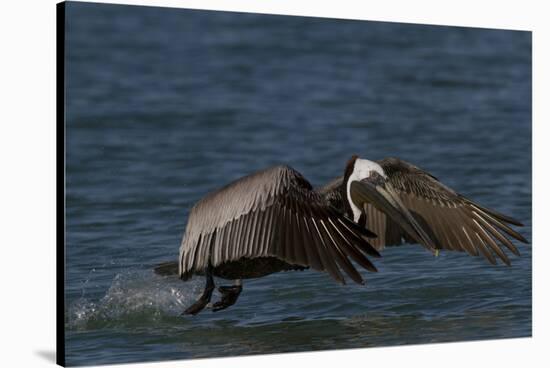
165	105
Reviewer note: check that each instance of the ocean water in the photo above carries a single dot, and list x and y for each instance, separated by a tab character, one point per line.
165	105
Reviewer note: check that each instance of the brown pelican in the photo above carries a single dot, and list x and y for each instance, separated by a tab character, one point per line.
273	220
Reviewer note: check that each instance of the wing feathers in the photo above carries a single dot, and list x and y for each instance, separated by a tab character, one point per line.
365	246
492	244
501	226
289	246
333	248
328	260
472	247
494	213
274	213
468	235
450	219
483	248
300	250
497	234
455	221
347	244
311	251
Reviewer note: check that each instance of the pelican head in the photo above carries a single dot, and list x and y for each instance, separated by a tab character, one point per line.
366	182
357	170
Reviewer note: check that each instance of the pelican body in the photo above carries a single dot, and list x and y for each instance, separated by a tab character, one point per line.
274	220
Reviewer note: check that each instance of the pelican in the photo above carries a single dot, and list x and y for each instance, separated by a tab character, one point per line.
274	220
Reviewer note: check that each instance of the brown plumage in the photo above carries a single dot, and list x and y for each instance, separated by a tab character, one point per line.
452	221
273	213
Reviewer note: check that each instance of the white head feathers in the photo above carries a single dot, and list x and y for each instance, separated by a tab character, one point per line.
361	170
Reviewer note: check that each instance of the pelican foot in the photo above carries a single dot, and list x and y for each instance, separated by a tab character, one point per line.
230	294
205	297
198	305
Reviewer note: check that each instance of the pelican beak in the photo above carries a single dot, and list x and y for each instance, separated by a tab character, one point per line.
383	196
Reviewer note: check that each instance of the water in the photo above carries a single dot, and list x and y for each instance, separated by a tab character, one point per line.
165	105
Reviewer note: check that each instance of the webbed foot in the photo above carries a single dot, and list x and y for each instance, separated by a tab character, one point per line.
230	294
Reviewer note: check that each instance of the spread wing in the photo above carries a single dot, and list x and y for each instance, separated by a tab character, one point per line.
274	213
452	221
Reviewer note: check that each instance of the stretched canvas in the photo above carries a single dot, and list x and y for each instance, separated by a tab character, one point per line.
230	182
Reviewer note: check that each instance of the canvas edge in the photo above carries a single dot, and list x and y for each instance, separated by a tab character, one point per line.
60	183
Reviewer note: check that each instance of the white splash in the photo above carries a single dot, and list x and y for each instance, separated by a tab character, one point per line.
134	297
